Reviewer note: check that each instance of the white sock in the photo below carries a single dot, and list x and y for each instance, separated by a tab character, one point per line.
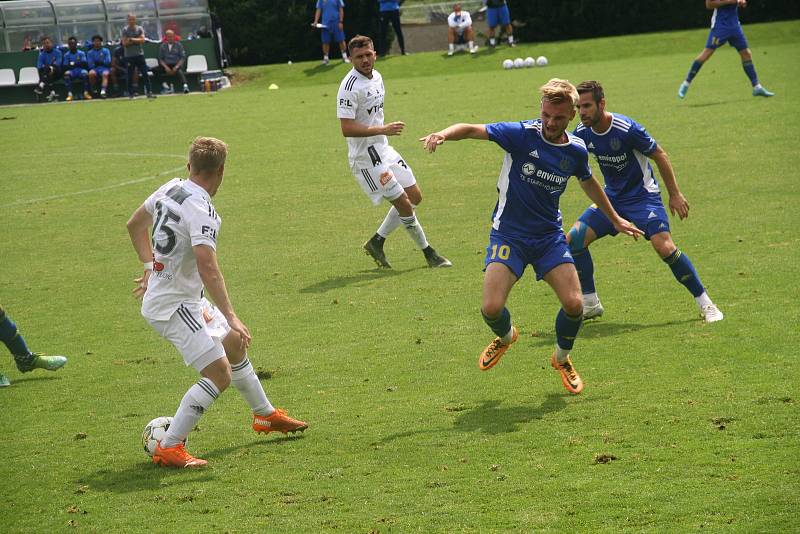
561	354
41	85
197	400
703	300
590	299
510	39
471	45
415	230
451	46
390	223
244	378
492	41
506	339
325	56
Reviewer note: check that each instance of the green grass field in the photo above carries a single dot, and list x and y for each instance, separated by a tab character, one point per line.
406	434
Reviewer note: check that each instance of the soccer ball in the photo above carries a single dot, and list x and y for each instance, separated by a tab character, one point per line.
541	61
519	63
508	64
154	432
530	62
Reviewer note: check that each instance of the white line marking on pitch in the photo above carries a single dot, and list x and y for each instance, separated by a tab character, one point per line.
93	190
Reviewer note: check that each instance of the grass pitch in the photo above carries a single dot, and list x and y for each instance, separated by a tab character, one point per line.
682	426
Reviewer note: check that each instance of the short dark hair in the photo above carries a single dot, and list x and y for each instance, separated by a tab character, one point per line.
72	38
593	87
95	37
359	41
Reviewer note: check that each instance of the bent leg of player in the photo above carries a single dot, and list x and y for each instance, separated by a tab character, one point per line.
398	172
557	269
685	273
25	359
591	225
504	265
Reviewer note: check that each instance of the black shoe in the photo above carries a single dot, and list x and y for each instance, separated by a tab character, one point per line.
434	259
375	251
151	95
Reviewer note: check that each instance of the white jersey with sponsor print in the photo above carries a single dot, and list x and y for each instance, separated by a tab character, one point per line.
361	98
183	217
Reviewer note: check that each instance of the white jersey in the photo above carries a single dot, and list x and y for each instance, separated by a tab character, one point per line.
361	98
183	217
460	21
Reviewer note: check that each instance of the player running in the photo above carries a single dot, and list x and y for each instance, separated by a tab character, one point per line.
526	222
725	27
378	168
180	265
621	147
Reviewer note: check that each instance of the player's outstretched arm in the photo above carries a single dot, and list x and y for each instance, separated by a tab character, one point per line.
714	4
677	202
214	283
595	192
456	132
351	128
138	226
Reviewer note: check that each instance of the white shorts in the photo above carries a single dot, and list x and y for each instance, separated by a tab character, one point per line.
197	330
387	179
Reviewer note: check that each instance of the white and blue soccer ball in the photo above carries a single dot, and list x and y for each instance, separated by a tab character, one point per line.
508	64
530	62
154	432
541	61
519	63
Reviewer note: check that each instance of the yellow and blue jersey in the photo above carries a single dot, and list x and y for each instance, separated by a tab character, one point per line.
98	58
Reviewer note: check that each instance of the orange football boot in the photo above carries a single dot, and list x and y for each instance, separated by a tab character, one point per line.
492	354
569	376
176	457
277	421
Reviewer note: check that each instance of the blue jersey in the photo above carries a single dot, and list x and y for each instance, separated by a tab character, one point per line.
389	5
621	151
98	58
78	58
53	57
330	11
726	17
533	176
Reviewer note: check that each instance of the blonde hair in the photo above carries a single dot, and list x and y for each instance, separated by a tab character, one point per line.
207	154
557	91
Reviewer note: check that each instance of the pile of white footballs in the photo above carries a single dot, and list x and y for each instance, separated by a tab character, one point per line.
528	62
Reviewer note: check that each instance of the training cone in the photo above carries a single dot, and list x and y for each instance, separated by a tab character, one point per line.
272	87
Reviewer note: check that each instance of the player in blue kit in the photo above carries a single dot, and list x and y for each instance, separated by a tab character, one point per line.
25	359
725	27
331	12
49	65
99	59
75	65
621	147
526	222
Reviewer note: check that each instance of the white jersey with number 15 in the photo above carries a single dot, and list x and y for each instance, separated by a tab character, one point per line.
183	217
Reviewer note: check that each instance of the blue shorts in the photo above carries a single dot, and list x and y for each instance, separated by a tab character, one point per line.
76	73
332	34
496	16
101	70
543	253
647	214
719	36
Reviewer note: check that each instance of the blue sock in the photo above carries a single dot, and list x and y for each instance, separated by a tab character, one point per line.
684	272
501	324
750	70
567	327
585	267
11	337
695	68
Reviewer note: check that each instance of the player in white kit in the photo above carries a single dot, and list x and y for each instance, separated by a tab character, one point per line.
180	264
377	167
